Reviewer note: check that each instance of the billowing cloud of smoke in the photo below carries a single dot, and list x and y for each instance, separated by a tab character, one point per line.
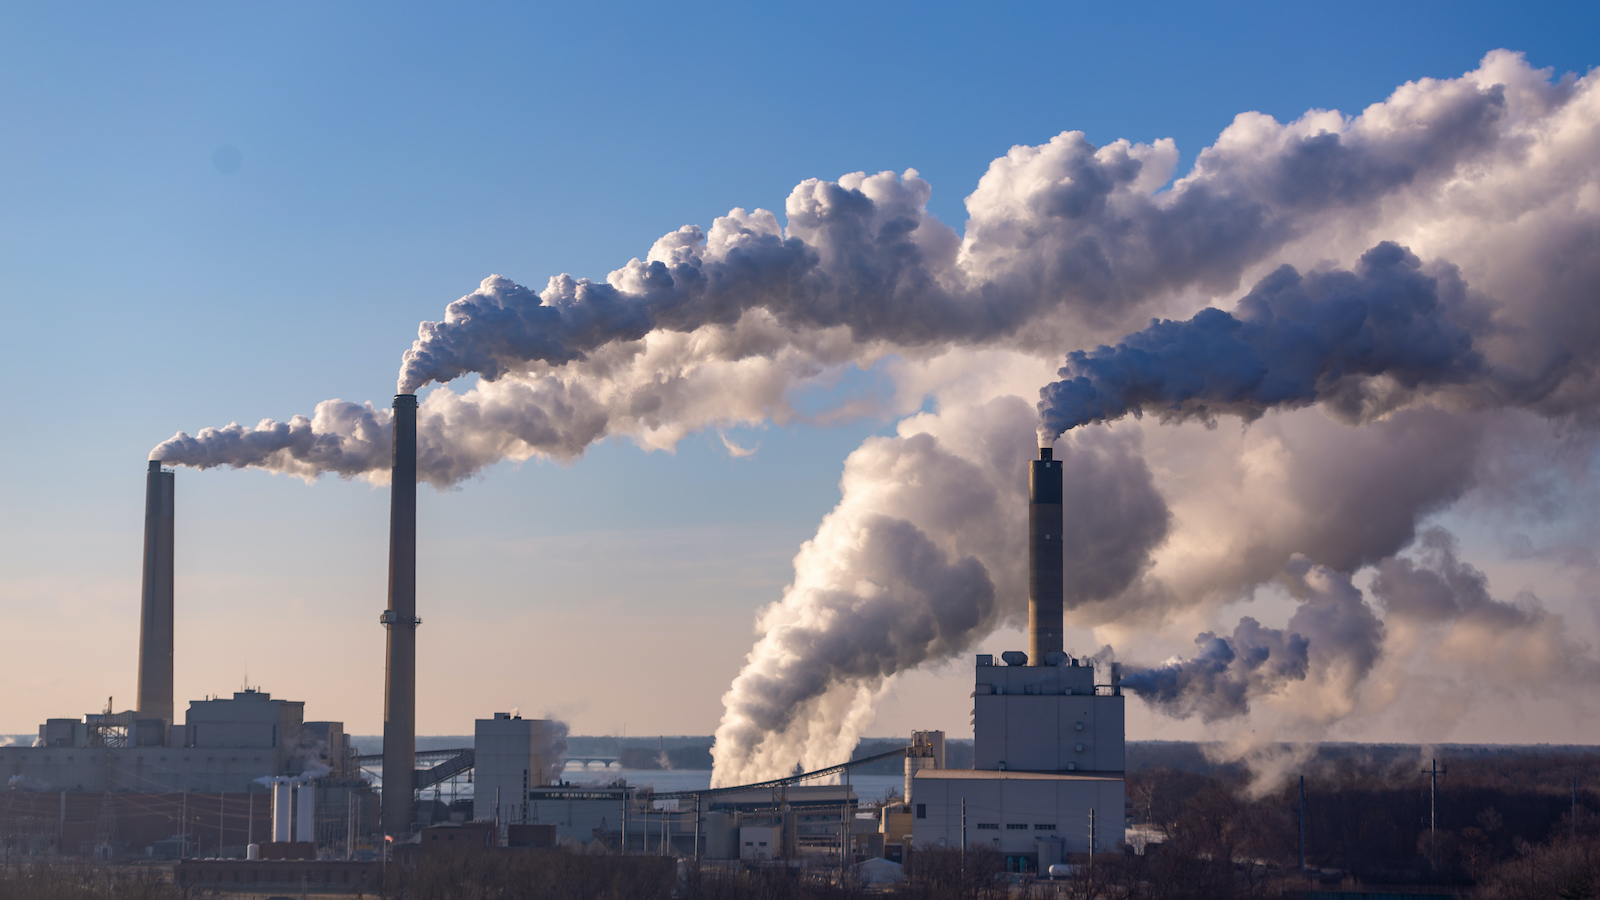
1439	593
1064	226
1318	664
654	390
1334	637
1219	680
922	557
1064	241
1292	341
1066	245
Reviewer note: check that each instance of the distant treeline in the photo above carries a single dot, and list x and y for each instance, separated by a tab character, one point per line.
1368	813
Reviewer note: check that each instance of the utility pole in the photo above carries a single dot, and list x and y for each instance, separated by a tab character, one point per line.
1091	836
963	836
844	836
1433	772
847	826
1302	825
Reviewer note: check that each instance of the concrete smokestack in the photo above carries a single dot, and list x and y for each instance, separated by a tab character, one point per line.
400	681
1044	557
155	608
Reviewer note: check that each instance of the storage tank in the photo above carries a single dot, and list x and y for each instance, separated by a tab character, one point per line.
305	814
281	813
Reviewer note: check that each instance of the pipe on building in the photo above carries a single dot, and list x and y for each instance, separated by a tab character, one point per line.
155	607
400	619
280	810
1045	560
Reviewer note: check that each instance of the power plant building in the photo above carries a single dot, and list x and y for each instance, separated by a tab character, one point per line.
512	756
223	747
1049	742
223	744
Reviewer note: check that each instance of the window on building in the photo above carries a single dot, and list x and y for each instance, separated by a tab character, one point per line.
1045	826
922	810
1016	826
988	826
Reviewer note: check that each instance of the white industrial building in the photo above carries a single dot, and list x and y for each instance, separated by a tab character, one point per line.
1047	776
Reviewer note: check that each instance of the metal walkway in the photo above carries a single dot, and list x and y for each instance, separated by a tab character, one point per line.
446	764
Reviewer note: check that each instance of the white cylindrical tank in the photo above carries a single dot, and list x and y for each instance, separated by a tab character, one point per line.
281	798
252	851
304	815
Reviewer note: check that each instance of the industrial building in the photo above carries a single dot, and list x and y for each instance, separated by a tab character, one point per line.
1049	738
228	750
223	746
513	757
1047	778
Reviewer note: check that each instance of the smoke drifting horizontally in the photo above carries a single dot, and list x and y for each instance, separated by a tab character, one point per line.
1325	337
1421	279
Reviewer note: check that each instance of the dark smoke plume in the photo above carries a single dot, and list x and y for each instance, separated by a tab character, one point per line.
1331	643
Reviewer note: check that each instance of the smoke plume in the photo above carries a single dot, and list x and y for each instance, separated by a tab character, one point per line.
1293	340
1417	312
1332	640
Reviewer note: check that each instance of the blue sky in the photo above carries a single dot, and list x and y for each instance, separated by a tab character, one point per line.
212	213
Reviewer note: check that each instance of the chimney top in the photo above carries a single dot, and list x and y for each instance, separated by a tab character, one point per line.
1046	453
155	467
401	400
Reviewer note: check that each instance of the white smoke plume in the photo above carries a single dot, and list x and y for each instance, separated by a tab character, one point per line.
1431	373
1064	241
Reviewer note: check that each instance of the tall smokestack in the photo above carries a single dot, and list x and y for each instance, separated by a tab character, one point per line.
400	681
1044	557
155	607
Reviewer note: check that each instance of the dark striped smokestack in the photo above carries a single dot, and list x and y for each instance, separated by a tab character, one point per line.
400	680
155	606
1044	558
